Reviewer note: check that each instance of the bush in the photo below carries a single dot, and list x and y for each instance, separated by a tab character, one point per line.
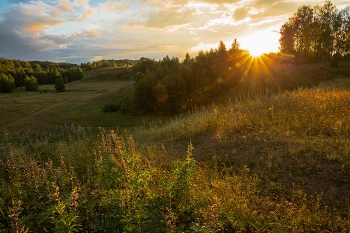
31	84
7	83
111	107
127	106
59	85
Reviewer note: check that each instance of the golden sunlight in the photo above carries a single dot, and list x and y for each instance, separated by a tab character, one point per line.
260	42
255	50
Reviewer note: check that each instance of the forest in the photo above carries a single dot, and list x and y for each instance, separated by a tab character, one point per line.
170	86
107	63
319	33
13	73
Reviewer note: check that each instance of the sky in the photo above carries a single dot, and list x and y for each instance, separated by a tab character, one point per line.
81	31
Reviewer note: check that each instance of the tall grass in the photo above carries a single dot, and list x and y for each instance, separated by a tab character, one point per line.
320	111
251	172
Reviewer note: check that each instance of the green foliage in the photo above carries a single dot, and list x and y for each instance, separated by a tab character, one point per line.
143	64
30	83
7	83
44	71
107	63
126	106
59	85
110	107
126	187
168	86
316	34
144	100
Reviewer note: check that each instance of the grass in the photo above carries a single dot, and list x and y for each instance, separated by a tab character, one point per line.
81	104
273	163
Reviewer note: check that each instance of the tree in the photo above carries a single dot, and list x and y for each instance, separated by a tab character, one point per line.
144	99
59	85
342	32
143	64
222	51
7	83
286	40
317	34
235	47
30	83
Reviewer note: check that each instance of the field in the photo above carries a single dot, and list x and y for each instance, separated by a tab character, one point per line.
273	161
81	104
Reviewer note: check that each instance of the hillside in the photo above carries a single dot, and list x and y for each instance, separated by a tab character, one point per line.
275	162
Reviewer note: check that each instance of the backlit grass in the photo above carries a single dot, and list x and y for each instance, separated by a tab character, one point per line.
275	163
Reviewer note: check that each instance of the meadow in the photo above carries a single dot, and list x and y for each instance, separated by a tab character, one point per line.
275	161
81	104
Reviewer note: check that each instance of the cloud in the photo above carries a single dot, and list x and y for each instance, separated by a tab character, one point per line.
78	30
240	13
168	17
81	3
18	45
87	14
85	34
273	8
65	6
37	25
24	29
113	6
57	39
96	58
219	2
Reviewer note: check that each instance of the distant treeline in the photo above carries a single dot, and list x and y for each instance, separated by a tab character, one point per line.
107	63
45	72
169	86
321	33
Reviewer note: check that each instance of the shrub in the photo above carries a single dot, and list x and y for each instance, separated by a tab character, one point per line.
7	83
126	106
59	85
111	107
31	84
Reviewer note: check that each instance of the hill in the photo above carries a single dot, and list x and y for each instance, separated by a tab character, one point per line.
275	162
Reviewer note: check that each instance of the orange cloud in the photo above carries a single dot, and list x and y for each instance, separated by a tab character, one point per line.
40	26
82	3
112	5
87	14
66	5
86	34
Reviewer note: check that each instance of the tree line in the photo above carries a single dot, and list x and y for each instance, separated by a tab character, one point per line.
169	86
321	33
107	63
14	73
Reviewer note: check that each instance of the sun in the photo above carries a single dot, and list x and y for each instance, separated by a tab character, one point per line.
256	51
260	42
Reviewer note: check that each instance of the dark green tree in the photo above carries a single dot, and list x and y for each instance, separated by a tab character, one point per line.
59	85
30	83
7	83
144	99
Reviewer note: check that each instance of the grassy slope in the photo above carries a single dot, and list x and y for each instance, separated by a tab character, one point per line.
296	140
273	163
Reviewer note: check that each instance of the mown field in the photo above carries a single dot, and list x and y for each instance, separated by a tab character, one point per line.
81	104
278	161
